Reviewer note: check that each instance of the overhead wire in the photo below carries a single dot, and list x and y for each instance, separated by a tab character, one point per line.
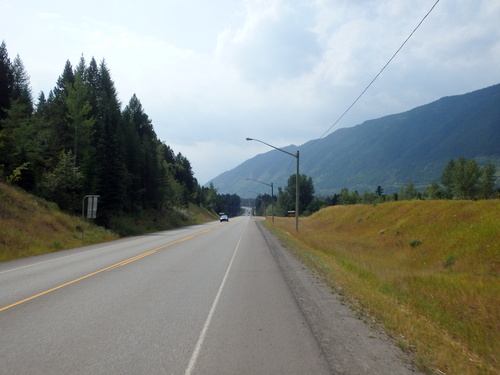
374	79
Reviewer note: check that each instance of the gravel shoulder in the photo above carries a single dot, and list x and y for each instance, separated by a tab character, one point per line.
349	345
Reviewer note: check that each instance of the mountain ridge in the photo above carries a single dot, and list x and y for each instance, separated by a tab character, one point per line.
412	146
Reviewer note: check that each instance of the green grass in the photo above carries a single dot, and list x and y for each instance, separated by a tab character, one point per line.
426	270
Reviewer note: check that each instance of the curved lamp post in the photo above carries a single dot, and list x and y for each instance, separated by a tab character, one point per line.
272	193
296	178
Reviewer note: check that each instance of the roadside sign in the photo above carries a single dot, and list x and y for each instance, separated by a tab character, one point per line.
91	205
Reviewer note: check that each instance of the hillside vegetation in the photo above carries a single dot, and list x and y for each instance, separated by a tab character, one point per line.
428	271
31	226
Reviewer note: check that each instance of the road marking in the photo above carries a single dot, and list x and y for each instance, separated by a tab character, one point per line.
201	339
100	248
119	264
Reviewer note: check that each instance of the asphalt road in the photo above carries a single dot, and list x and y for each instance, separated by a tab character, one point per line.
206	299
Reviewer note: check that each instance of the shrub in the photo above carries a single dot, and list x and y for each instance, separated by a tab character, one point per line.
415	242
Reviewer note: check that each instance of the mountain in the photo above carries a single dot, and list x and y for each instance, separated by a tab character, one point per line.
391	151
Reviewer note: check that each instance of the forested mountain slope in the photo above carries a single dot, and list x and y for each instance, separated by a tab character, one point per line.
391	151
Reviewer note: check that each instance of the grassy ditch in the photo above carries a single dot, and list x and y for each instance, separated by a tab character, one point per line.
428	271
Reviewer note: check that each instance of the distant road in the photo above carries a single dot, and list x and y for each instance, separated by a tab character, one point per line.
206	299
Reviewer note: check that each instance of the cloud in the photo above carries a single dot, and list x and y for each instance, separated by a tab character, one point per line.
270	45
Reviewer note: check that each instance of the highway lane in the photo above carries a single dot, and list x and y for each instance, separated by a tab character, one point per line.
205	299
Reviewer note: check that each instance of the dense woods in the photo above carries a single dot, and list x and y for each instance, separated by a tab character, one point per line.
77	140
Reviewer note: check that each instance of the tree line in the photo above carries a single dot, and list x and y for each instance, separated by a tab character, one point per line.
77	140
460	179
284	201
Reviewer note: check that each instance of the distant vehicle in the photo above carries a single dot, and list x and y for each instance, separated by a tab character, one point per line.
223	218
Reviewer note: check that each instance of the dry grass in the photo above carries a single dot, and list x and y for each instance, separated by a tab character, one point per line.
427	270
31	226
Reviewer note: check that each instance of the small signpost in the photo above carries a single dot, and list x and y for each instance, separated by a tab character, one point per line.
91	207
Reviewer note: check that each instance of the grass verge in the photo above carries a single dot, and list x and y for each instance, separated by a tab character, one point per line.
427	271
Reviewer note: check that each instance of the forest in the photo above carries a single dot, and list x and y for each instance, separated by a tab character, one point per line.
78	140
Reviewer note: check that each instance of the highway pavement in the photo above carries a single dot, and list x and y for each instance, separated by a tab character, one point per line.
205	299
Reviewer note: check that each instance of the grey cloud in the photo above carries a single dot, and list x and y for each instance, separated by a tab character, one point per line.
276	49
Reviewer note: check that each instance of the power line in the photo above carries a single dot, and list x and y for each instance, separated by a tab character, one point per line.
379	73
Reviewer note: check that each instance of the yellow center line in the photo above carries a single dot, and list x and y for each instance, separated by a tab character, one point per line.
119	264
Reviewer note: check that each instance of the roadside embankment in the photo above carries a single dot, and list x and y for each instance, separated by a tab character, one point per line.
427	271
33	226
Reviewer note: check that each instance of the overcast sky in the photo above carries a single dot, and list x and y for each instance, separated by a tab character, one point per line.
210	73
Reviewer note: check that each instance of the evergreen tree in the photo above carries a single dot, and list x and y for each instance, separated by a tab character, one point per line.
6	81
306	193
41	107
21	89
184	175
142	156
81	124
57	114
63	184
91	80
211	198
110	167
81	68
10	143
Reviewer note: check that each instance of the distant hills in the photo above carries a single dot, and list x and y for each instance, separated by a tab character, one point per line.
391	151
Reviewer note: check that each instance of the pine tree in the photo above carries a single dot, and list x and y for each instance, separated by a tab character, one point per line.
63	184
21	89
110	167
184	176
41	107
77	102
57	114
6	81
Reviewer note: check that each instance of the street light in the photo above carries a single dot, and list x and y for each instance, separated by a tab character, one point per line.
272	193
296	178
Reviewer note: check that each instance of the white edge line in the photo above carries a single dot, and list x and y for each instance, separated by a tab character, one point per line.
201	339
